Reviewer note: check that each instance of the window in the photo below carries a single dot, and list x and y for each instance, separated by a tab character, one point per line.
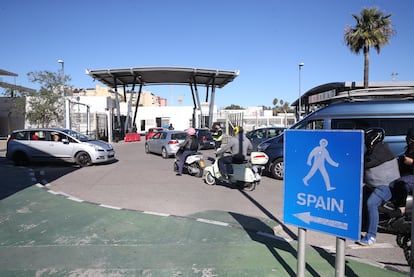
311	125
20	135
392	126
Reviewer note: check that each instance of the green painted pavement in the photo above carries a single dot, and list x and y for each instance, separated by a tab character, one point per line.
42	234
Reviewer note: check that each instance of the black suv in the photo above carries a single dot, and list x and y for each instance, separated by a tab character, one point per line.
274	149
205	139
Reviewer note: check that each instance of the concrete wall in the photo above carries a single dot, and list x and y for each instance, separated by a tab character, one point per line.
10	118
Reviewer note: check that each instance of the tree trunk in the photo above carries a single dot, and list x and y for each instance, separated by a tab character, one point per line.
366	66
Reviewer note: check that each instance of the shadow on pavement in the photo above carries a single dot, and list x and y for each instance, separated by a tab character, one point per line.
254	225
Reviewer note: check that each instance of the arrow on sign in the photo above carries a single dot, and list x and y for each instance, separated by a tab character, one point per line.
308	218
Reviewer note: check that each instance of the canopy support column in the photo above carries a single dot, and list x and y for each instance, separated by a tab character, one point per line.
137	103
211	109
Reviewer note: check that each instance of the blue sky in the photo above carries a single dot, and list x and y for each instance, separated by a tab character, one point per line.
265	40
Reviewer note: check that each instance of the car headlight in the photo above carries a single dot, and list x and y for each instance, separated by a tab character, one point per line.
96	147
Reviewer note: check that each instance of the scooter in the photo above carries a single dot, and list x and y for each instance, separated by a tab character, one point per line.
398	225
246	174
194	164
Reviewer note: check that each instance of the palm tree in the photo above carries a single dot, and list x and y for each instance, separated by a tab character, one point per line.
373	29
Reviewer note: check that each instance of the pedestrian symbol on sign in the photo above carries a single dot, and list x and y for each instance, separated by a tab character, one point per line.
320	155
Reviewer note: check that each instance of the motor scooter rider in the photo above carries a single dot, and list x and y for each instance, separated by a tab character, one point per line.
403	186
380	170
239	147
188	147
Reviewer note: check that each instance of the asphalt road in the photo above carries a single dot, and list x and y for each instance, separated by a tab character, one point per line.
146	182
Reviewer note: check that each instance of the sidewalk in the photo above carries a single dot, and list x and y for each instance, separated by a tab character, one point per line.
43	233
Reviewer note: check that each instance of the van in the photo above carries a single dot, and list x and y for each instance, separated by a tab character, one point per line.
394	116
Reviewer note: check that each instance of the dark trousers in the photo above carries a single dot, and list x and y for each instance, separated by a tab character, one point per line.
217	144
183	157
224	163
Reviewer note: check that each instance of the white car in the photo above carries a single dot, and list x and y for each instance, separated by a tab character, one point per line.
57	144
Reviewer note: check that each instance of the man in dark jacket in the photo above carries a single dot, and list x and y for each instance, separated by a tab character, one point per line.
404	185
186	148
381	169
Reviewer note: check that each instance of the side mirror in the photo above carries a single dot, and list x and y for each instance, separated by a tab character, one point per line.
65	141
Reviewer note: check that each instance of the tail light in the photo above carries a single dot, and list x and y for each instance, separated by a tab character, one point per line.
9	138
173	142
203	138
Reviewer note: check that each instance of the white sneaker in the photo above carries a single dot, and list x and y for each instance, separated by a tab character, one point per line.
367	240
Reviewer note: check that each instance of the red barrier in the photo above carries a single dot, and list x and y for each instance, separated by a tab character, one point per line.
129	137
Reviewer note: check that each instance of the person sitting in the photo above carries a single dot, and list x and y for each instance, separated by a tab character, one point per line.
239	147
186	148
380	170
55	137
403	186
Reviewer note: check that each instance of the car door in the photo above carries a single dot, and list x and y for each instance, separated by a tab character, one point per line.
60	148
39	145
156	142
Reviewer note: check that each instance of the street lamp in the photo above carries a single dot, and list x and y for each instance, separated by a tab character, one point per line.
62	83
300	94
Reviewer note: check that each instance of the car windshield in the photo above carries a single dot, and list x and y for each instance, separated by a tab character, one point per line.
77	135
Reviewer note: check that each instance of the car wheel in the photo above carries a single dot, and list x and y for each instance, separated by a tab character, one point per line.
20	158
209	179
164	153
147	149
277	169
83	159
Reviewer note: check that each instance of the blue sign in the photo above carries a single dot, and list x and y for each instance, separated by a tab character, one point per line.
323	181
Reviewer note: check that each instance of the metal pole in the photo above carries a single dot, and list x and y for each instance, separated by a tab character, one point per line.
301	253
300	93
62	83
340	257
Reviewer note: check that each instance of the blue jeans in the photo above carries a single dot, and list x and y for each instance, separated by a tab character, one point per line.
377	197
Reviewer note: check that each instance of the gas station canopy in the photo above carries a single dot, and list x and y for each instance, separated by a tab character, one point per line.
163	76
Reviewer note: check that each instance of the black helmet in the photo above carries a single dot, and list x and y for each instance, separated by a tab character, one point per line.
373	136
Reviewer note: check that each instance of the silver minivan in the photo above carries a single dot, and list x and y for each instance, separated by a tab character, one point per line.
394	116
57	144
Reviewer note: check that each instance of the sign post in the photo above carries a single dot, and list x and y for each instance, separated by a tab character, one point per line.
322	184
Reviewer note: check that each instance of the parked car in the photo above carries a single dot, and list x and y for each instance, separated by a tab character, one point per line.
394	116
57	144
205	139
165	142
259	135
152	131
